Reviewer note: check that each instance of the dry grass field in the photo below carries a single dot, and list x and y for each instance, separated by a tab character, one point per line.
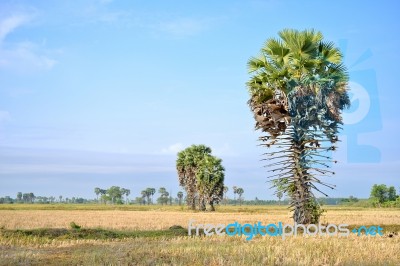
195	250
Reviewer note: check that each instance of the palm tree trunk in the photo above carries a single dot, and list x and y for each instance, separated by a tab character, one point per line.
212	206
202	204
191	200
302	196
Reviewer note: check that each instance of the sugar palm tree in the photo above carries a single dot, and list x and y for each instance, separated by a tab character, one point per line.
210	180
187	165
240	192
234	188
144	194
298	89
126	192
163	199
149	194
97	192
152	192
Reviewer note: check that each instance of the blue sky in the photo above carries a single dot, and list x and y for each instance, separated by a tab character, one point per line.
101	93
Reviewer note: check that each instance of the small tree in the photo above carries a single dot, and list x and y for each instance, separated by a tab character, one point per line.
180	196
19	196
234	188
380	193
149	192
32	197
144	196
152	192
52	199
279	184
163	199
279	194
25	197
392	194
240	192
114	193
127	193
97	192
138	200
103	197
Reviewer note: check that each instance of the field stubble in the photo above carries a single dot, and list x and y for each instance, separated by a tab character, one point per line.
157	219
184	250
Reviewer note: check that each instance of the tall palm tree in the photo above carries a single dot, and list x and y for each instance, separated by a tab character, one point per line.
210	181
298	89
187	165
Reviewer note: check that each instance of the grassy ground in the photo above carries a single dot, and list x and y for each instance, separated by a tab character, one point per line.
141	235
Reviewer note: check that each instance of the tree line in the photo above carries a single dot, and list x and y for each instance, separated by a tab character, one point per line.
31	198
114	195
380	196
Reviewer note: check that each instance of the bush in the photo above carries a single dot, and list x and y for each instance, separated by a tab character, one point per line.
73	225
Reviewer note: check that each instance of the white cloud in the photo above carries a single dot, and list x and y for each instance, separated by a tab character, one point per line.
184	27
9	24
21	56
24	57
49	161
173	149
76	168
225	150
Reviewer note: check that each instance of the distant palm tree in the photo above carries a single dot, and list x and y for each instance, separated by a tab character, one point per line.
180	196
234	188
103	197
144	196
240	192
152	192
163	199
149	193
32	197
97	192
126	192
297	92
226	189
